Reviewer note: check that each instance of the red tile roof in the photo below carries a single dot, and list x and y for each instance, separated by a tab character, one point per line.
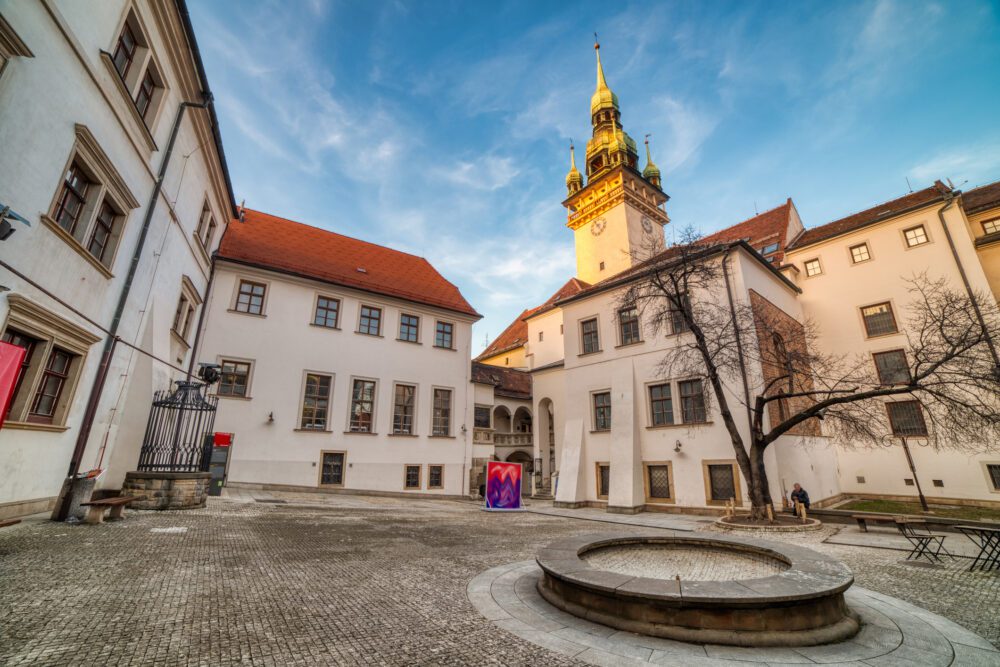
981	198
759	231
270	242
872	215
516	334
508	382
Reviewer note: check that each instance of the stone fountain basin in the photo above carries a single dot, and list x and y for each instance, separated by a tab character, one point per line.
800	603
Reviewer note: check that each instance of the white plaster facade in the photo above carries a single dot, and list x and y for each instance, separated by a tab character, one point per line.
65	103
271	448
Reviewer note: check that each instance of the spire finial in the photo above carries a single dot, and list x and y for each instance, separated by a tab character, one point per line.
651	173
649	160
572	156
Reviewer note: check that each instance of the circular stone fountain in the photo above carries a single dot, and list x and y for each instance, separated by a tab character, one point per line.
705	589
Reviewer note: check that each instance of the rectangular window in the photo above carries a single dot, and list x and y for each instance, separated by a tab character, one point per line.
409	328
333	469
402	409
28	343
602	411
327	312
541	336
692	402
101	234
662	405
443	335
371	321
991	226
915	236
412	477
813	267
72	198
892	367
51	387
603	479
441	423
482	417
206	229
363	406
628	324
591	340
906	418
235	378
250	298
769	249
859	253
658	481
678	324
721	482
183	317
994	470
124	51
435	477
145	94
879	319
316	402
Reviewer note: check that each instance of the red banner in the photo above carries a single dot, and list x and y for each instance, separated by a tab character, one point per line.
11	358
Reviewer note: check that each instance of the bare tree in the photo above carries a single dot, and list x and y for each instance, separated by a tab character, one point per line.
943	388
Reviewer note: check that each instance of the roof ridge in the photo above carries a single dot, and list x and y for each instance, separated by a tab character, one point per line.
788	202
934	186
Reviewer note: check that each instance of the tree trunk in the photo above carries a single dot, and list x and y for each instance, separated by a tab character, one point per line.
757	487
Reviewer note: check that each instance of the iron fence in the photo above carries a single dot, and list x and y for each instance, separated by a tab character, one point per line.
178	434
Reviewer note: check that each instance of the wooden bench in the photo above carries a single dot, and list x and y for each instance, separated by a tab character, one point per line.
863	520
9	522
95	508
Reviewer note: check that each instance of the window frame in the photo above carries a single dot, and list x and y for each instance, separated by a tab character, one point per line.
238	292
373	414
676	316
906	239
451	412
892	314
737	482
920	414
143	64
868	252
776	247
413	408
704	401
651	412
343	469
596	333
407	467
992	485
304	396
411	327
338	309
594	414
489	413
440	484
598	465
993	222
819	265
631	323
249	363
204	231
878	369
362	316
647	486
450	333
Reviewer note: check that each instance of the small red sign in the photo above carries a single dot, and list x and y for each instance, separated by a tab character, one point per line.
11	359
223	439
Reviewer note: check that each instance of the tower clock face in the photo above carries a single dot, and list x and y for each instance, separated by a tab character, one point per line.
598	226
647	225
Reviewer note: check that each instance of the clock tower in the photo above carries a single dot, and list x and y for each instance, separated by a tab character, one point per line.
618	216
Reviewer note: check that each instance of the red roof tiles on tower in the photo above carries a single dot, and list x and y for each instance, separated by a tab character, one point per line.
274	243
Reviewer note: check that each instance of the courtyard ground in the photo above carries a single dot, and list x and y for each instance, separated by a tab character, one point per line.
308	579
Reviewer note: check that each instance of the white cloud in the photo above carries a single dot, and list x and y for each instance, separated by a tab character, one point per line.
976	164
688	128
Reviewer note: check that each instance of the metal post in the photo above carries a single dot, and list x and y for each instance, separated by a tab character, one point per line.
913	470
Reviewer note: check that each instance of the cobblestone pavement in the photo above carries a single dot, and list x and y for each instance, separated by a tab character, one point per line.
318	580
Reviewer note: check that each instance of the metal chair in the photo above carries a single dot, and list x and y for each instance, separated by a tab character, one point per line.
925	543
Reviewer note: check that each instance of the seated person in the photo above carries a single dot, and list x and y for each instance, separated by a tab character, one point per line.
799	495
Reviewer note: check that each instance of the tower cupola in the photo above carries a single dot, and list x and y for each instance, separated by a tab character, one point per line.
651	173
574	179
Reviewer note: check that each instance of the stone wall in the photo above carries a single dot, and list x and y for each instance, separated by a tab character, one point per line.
167	490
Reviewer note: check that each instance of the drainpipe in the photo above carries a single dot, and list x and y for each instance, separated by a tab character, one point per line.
201	319
62	509
739	341
950	199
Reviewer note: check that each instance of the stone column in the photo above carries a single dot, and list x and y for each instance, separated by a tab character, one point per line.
626	494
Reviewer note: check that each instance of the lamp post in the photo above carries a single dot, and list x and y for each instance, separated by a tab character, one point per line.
913	470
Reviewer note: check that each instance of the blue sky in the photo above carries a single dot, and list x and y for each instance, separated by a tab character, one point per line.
442	129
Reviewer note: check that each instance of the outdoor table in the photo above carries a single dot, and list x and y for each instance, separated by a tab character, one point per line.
988	540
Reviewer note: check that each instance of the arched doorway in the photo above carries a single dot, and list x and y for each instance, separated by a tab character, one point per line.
501	420
521	422
525	460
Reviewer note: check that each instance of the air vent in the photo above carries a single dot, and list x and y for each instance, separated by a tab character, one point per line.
938	482
908	481
861	480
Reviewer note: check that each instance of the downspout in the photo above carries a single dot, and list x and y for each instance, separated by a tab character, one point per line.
950	199
201	319
62	510
739	342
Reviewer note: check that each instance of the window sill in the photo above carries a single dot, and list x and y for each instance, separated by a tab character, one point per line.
411	342
435	488
234	398
872	337
449	349
330	486
661	501
362	333
681	425
403	435
360	433
32	426
442	437
311	430
603	430
323	326
638	342
76	246
202	251
147	136
588	354
243	312
180	339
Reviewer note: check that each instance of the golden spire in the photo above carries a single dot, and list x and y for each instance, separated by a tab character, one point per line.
603	97
574	180
651	173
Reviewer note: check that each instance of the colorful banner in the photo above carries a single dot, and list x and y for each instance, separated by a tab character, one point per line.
503	486
11	358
